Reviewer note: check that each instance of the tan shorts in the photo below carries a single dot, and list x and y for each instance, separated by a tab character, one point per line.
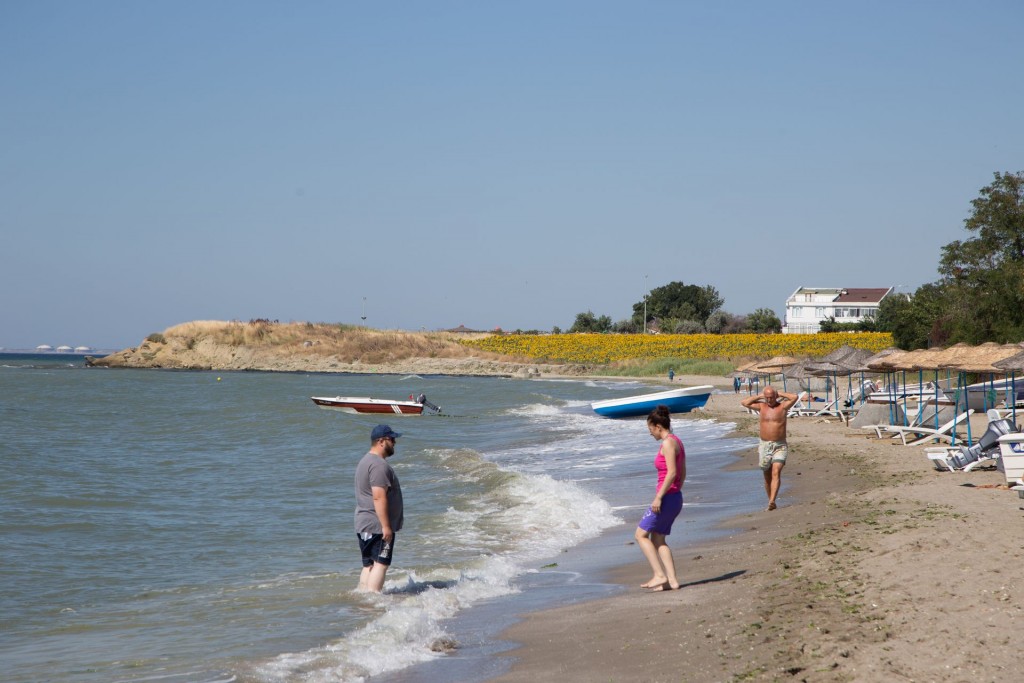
772	451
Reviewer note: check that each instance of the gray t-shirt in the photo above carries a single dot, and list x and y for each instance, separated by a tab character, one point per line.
372	471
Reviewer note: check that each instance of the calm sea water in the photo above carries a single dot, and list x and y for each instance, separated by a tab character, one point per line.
197	526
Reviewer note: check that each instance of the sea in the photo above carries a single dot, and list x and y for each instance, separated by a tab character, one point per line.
182	526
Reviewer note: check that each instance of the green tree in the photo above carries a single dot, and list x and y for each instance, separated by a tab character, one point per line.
918	322
679	301
983	276
689	327
717	322
764	321
892	310
588	322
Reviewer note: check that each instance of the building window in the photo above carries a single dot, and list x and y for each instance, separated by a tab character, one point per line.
819	312
796	311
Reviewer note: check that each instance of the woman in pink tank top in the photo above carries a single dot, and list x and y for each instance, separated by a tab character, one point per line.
656	523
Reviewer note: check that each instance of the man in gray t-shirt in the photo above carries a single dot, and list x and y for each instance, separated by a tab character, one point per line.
378	513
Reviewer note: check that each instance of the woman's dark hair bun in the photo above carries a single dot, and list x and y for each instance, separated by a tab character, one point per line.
660	416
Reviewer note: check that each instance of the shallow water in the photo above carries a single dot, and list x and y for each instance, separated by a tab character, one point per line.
197	526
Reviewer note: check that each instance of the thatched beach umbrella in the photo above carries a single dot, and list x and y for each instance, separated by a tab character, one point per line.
981	359
855	361
830	370
920	360
834	362
845	361
776	365
1013	364
747	369
839	355
883	360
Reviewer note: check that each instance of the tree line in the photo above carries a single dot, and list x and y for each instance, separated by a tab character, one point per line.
979	296
680	308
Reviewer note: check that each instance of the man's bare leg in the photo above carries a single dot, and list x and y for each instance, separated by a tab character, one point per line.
364	577
773	480
372	578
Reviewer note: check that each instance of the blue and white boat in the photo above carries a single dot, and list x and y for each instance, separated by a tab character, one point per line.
681	400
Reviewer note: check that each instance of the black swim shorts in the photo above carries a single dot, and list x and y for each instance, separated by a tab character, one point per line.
374	549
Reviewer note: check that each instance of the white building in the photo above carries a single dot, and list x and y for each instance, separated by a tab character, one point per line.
807	307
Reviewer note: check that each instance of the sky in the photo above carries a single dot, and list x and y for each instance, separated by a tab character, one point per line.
490	164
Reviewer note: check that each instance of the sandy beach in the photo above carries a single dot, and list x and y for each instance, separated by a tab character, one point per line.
875	567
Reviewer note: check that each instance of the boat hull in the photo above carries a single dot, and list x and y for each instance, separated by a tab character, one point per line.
676	400
368	406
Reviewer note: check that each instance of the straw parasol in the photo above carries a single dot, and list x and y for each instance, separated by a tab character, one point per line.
1014	363
942	359
798	371
855	361
883	360
839	355
981	359
920	359
822	369
777	363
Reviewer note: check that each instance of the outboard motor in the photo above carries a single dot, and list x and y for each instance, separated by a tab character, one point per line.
986	446
427	404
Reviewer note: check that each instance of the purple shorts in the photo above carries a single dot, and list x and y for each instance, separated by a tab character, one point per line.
661	522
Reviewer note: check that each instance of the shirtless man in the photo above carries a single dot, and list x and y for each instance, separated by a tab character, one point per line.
773	406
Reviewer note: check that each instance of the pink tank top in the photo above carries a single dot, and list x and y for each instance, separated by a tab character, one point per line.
662	467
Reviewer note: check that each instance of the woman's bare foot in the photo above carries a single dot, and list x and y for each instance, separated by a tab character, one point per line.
663	587
653	582
771	506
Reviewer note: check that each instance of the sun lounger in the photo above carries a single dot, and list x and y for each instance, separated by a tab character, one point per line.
921	434
916	421
830	408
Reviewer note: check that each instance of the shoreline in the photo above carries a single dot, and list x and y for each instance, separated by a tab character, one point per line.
873	563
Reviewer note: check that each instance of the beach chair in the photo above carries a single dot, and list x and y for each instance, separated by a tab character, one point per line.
803	406
920	434
984	452
829	409
916	421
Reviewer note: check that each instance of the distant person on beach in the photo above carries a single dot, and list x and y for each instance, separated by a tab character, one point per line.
736	384
671	374
772	450
378	508
656	523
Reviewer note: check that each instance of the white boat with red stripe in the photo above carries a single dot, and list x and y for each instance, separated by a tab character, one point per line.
375	406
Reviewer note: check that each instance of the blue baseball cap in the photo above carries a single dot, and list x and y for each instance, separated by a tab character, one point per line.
383	432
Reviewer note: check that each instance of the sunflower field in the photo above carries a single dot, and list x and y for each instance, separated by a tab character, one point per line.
609	348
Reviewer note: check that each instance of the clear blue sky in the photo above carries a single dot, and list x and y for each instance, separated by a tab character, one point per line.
482	163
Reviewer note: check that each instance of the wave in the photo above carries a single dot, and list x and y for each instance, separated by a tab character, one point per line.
519	520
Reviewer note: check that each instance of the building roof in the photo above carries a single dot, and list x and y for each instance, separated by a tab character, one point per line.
870	296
